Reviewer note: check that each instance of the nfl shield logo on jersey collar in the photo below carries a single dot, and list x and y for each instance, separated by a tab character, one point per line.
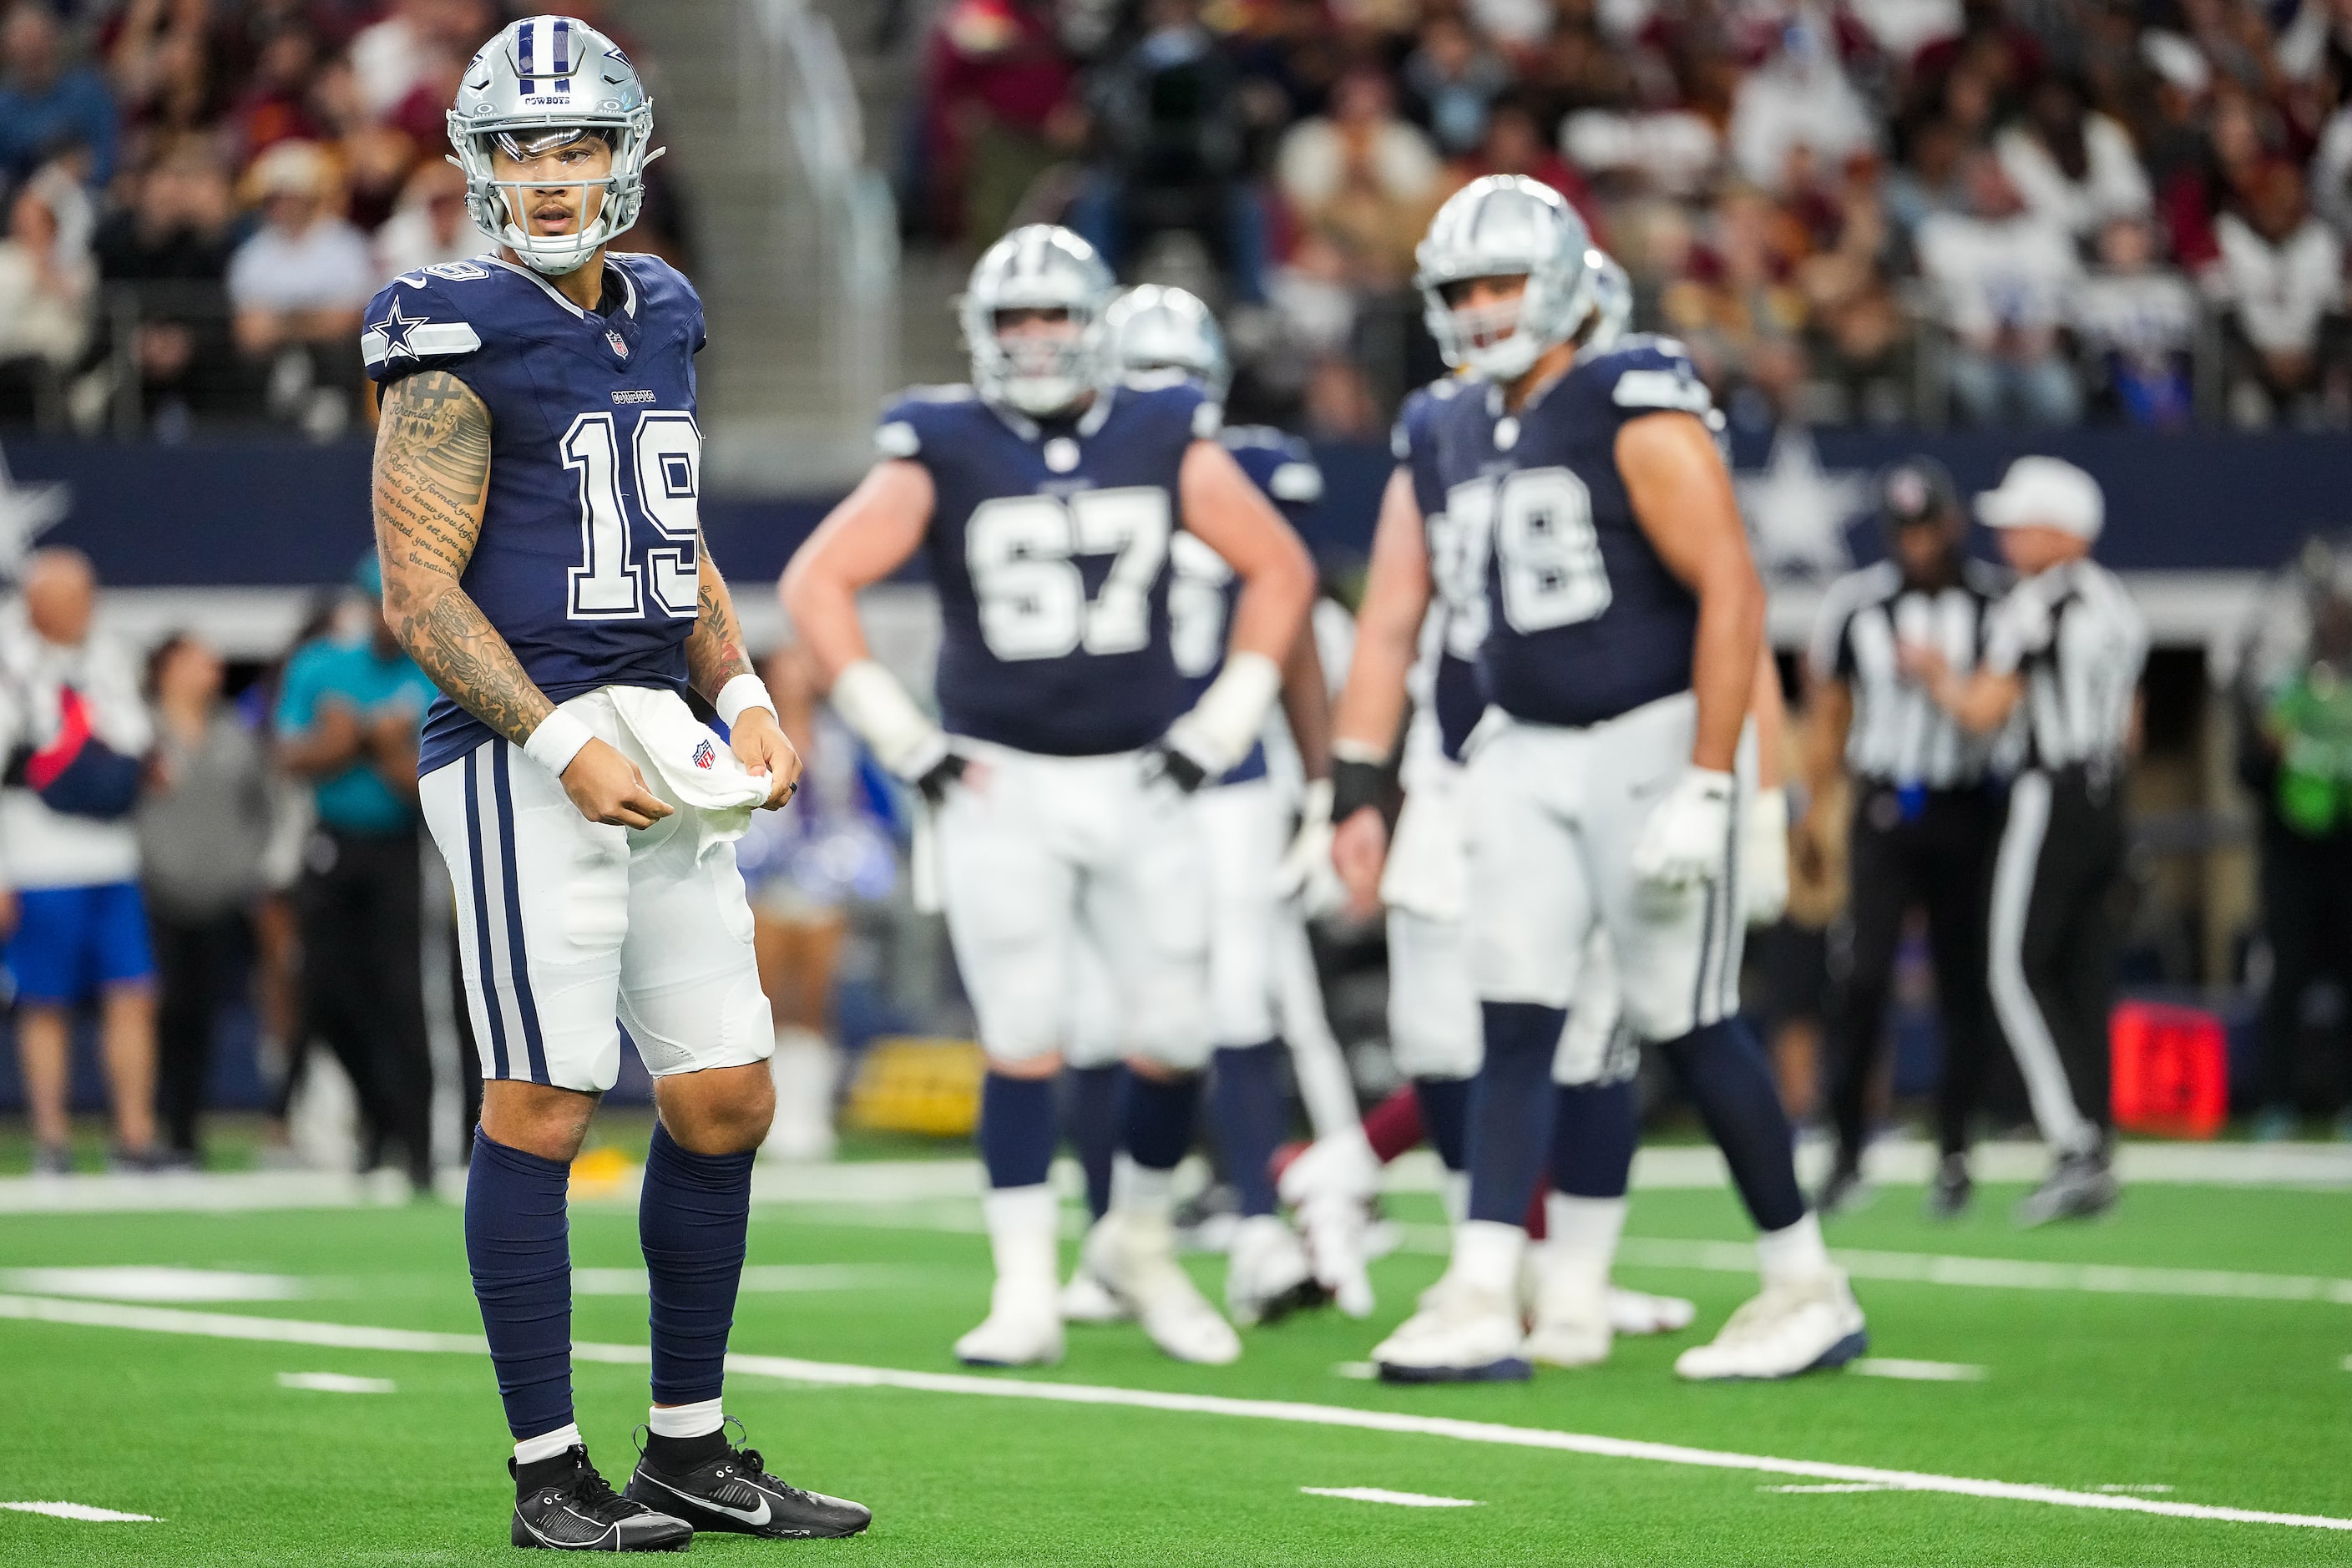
620	344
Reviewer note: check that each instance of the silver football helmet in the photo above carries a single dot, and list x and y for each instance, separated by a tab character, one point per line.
1613	302
1153	327
1038	267
1504	225
544	82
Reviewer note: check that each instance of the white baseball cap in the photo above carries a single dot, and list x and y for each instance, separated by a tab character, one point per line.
2045	493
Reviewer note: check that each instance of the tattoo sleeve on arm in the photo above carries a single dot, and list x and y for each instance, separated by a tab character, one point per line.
432	481
714	649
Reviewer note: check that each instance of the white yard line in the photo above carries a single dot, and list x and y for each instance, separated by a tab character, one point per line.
1381	1494
762	1278
1835	1487
1917	1371
224	1325
336	1383
80	1511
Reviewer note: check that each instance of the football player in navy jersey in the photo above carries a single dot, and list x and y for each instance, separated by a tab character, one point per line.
1423	617
1617	665
1046	496
535	475
1258	955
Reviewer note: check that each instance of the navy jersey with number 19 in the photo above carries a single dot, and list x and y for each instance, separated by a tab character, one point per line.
587	561
1049	544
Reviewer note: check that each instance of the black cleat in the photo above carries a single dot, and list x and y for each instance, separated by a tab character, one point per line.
1949	1193
572	1509
733	1491
2082	1187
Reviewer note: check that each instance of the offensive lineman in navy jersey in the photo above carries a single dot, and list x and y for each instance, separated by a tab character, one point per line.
1047	495
536	474
1618	662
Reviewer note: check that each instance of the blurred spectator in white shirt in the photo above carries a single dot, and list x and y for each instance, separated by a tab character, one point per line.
298	289
1362	177
1799	97
2331	175
394	55
2138	319
2003	275
46	277
431	223
2281	277
2074	168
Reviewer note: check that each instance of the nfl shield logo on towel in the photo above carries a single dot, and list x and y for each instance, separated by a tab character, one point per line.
704	756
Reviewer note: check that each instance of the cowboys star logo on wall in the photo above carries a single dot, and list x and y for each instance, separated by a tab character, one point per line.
27	511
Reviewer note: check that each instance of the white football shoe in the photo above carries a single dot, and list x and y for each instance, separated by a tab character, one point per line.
1792	1327
1134	1255
1572	1324
1460	1335
1266	1272
1086	1300
1023	1328
1637	1312
1338	1233
1343	1166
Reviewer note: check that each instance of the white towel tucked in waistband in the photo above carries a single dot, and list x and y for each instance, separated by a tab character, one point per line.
693	764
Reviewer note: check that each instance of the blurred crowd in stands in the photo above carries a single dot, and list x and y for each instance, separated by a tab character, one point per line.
200	195
2028	211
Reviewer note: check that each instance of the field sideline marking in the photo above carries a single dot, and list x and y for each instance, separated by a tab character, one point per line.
1953	1269
288	1330
1917	1371
1383	1494
336	1383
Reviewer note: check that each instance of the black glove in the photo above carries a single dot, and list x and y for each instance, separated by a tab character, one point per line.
946	770
1163	761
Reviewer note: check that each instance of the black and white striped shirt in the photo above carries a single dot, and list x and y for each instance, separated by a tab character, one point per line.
1899	735
2078	639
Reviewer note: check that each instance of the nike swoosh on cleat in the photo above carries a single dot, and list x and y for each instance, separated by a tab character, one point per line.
746	1515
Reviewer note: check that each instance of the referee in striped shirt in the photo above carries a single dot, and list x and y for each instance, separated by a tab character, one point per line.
2063	660
1924	811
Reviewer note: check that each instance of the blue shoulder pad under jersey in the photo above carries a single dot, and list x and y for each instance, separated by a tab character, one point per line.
587	562
1457	567
1049	544
1584	620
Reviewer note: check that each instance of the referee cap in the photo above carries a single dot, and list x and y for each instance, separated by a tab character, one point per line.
2045	493
1916	489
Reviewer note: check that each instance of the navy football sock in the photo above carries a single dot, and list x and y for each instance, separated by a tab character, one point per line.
1594	1134
1156	1121
1510	1114
1092	1117
519	1248
1016	1130
1247	1095
1446	1117
692	1214
1722	1071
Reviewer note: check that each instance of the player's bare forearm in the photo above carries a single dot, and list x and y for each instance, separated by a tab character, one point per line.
1682	496
868	536
714	649
1397	592
1829	714
431	480
1771	710
1307	703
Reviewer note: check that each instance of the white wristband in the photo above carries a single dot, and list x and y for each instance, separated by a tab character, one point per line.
872	702
1223	726
556	740
744	691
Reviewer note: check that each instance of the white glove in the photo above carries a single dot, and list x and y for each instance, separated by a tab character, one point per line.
1684	841
1305	874
1764	858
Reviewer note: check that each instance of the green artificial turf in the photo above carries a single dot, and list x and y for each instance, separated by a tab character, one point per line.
2238	1403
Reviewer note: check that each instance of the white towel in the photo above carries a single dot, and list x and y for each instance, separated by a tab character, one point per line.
692	764
1428	861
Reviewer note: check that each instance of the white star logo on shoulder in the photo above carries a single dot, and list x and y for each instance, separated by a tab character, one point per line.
396	329
1797	510
27	511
